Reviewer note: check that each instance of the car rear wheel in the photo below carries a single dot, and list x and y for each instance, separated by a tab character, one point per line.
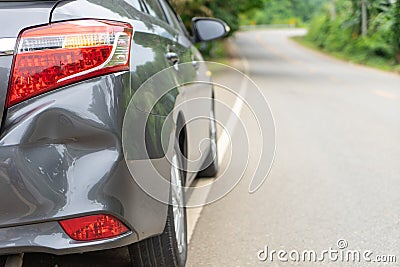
169	248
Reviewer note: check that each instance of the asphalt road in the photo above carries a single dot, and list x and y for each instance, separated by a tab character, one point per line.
336	174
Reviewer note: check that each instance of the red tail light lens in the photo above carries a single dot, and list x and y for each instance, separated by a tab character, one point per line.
58	54
93	227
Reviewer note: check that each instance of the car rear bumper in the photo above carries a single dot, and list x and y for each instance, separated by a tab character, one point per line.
61	157
49	237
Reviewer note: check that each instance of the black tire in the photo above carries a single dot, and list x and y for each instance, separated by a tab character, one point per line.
212	158
163	250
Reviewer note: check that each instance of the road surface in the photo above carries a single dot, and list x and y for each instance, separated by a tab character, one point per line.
336	175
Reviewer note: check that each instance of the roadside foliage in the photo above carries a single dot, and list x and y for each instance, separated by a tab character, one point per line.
365	31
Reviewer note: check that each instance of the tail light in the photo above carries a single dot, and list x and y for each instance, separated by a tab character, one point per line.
94	227
58	54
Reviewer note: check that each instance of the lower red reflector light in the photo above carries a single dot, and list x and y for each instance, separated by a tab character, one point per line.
94	227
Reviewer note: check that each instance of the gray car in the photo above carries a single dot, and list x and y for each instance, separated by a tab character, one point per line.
104	106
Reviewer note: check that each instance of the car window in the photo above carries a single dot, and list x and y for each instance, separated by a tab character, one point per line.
154	9
171	16
136	4
174	18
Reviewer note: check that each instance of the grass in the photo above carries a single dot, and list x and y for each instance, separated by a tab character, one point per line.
217	51
373	61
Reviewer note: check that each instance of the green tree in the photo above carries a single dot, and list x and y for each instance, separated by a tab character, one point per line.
396	30
344	34
230	11
226	10
283	12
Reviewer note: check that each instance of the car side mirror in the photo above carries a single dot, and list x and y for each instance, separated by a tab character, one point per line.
207	29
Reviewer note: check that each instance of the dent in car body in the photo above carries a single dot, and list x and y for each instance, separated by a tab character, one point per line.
61	153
